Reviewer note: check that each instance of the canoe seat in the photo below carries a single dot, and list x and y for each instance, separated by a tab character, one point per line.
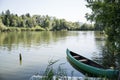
76	56
83	60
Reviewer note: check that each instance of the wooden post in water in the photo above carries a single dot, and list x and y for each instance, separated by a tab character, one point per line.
20	56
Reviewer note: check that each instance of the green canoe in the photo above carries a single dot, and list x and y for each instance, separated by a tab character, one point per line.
90	66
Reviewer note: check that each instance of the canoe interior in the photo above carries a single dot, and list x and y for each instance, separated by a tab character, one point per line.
85	60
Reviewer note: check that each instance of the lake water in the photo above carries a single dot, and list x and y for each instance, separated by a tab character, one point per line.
38	48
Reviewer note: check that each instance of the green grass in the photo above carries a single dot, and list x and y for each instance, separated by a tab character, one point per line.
50	72
13	29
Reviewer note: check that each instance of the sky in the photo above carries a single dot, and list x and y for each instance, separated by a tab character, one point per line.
71	10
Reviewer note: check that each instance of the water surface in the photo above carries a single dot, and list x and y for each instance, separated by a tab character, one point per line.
37	48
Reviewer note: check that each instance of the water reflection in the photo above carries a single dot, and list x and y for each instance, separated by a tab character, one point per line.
13	39
99	36
110	53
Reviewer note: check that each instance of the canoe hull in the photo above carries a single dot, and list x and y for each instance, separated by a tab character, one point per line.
109	73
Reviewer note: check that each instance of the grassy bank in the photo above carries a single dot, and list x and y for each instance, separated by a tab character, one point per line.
13	29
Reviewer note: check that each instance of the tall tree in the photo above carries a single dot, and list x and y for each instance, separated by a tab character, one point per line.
2	26
105	13
8	12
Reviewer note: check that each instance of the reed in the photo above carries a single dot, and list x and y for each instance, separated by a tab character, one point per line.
60	74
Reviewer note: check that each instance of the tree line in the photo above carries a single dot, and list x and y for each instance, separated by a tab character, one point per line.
40	22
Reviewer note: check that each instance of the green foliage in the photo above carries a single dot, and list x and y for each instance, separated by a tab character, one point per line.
106	15
49	72
2	26
38	28
87	27
45	22
59	74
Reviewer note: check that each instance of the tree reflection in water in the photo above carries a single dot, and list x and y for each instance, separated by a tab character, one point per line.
111	53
